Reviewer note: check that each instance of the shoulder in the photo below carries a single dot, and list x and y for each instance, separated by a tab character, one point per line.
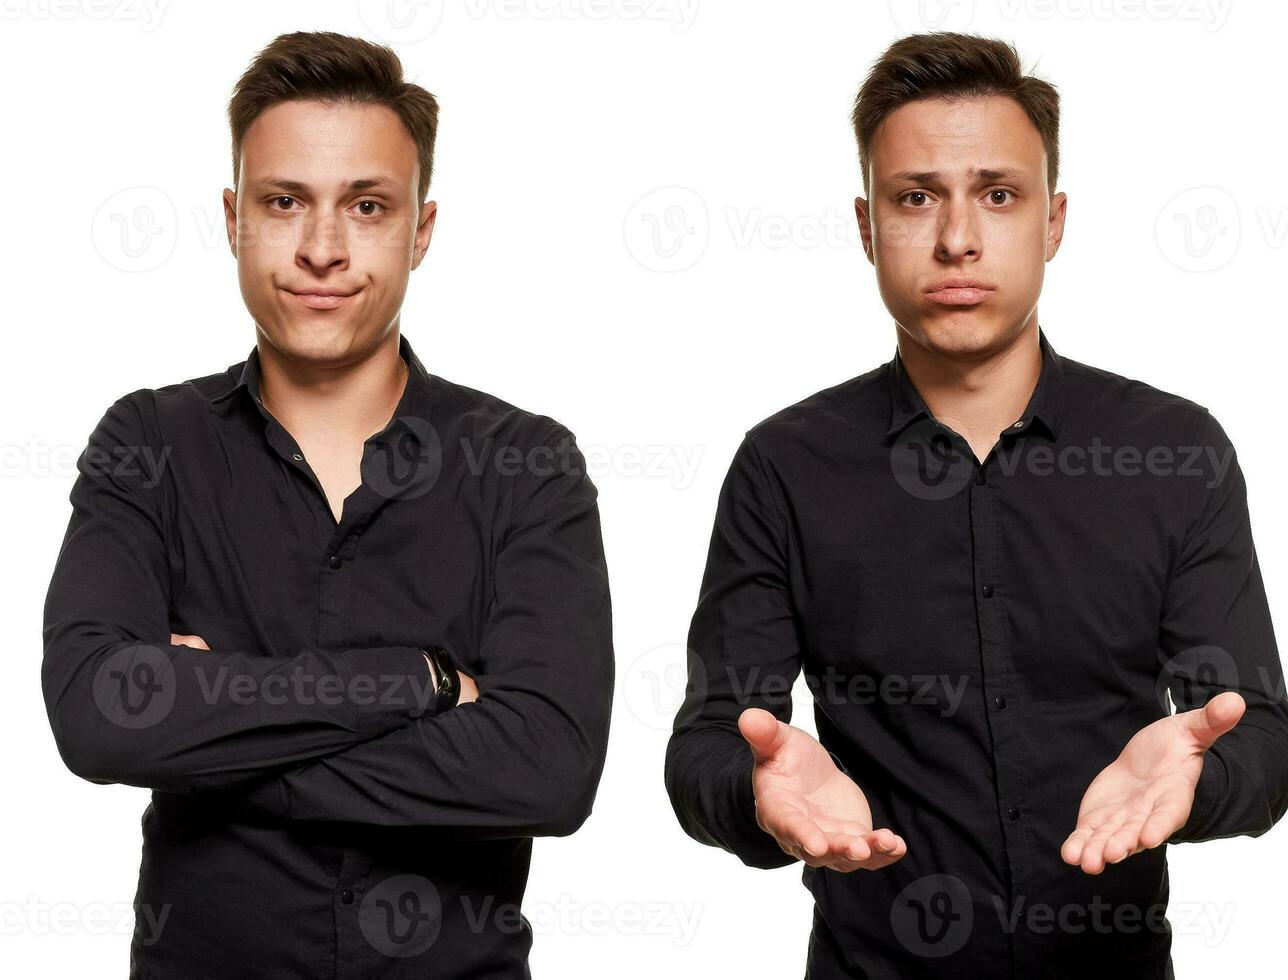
852	407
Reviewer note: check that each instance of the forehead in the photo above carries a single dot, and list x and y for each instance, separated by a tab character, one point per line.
323	143
953	135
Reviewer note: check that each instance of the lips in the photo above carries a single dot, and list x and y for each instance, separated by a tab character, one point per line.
959	291
320	298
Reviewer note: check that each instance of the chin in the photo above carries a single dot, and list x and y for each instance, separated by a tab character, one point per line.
960	334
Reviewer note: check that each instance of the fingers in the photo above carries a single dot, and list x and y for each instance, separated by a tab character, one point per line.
1117	836
1215	718
763	732
803	839
179	639
868	852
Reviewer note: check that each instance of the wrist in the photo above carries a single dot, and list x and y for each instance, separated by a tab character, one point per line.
447	683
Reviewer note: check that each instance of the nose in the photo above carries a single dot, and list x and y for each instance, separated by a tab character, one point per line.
322	245
957	236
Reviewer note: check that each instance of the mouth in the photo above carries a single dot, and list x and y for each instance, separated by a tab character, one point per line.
959	292
320	299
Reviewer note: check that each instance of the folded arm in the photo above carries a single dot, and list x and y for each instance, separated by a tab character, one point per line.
128	706
525	758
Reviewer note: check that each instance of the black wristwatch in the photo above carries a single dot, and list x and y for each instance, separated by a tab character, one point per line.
449	682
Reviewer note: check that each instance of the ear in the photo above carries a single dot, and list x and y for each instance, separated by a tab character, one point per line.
1055	224
230	218
863	211
424	232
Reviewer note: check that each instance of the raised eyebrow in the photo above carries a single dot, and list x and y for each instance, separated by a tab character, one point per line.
933	176
299	187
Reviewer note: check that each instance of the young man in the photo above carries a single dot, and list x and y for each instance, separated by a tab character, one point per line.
994	565
348	620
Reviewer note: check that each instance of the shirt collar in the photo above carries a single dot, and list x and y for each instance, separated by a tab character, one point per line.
415	403
1044	407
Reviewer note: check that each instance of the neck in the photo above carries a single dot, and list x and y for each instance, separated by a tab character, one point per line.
333	402
976	396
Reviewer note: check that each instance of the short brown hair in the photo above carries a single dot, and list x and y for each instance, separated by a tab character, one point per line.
330	67
950	65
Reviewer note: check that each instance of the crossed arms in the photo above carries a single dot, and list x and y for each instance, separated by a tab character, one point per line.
365	745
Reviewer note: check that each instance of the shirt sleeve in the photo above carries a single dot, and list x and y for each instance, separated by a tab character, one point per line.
127	706
524	760
1216	635
743	652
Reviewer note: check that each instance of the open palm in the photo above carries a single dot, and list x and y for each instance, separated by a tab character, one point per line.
814	811
1145	795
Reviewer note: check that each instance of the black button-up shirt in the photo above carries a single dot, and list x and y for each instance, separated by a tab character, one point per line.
312	814
980	640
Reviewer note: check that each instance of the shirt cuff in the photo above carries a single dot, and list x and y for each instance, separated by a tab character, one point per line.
388	686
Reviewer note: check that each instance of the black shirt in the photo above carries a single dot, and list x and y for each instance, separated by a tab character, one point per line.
312	814
980	640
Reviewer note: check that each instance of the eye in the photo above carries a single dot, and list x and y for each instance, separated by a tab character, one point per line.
1000	190
282	197
371	214
912	194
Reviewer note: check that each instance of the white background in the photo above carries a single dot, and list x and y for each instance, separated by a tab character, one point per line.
571	130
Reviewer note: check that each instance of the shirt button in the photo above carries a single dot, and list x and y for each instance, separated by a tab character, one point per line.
1013	813
988	592
1018	425
999	702
346	896
296	456
335	561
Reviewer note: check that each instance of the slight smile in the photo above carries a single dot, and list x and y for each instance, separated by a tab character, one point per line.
320	299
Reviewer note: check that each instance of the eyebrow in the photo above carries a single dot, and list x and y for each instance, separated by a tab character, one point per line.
930	176
299	187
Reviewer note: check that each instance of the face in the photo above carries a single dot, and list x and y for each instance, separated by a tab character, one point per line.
326	227
959	192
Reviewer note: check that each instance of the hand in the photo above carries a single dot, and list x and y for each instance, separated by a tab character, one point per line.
814	811
188	641
469	690
1145	795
